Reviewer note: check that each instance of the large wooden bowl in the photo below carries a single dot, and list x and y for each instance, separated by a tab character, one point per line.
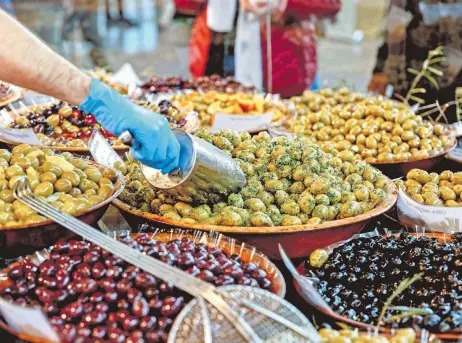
23	239
451	336
298	241
247	253
399	169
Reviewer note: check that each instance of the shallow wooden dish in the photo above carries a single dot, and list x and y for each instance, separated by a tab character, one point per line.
247	253
452	336
298	241
401	168
20	240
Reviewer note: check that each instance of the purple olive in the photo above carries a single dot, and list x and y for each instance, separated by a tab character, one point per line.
140	307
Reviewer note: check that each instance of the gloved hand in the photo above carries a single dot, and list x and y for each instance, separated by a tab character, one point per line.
154	144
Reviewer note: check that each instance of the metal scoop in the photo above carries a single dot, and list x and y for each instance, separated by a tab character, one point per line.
224	314
205	172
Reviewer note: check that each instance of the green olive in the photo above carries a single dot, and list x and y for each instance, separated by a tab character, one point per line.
53	120
63	185
20	148
75	191
5	154
110	173
69	207
87	184
44	189
121	166
94	200
80	164
104	181
72	176
48	177
3	185
23	162
14	170
105	191
53	168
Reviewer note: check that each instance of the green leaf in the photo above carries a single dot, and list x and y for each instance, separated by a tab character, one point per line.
416	99
432	80
418	90
437	60
435	71
412	71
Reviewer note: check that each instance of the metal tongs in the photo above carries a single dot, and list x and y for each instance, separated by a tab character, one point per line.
226	314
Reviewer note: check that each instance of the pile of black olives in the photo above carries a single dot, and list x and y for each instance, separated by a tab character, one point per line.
358	277
91	295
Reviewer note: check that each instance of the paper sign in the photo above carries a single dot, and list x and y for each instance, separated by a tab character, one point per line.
126	75
29	321
278	132
435	218
19	136
241	122
101	151
456	153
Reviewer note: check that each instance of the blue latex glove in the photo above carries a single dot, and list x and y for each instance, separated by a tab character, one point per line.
154	145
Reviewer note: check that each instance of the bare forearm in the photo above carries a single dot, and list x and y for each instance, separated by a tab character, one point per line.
29	63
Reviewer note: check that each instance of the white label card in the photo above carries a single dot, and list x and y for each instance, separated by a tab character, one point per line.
101	151
435	218
29	321
241	122
126	75
19	136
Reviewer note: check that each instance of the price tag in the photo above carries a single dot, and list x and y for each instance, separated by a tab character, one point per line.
29	321
101	151
278	132
241	122
19	136
126	75
435	218
456	153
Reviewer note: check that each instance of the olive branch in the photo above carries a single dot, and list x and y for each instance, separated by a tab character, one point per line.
428	71
407	311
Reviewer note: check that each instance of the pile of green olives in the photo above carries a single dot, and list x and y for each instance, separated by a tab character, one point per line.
444	189
368	128
69	184
288	183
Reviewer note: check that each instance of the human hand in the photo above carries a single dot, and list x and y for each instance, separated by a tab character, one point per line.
154	144
378	83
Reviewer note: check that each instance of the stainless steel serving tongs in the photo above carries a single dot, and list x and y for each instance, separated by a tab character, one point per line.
227	314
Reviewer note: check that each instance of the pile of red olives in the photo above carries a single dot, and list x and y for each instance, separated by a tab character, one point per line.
360	275
91	295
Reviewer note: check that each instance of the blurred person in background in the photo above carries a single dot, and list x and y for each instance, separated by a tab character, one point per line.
413	29
165	12
43	17
229	37
7	6
120	10
84	13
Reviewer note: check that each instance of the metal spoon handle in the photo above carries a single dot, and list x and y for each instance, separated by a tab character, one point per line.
179	278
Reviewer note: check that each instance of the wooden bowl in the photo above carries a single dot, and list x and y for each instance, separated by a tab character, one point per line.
21	240
451	336
399	169
298	241
247	253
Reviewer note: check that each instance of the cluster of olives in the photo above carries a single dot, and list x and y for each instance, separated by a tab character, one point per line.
380	264
210	103
64	125
288	183
72	185
369	128
426	188
214	82
329	335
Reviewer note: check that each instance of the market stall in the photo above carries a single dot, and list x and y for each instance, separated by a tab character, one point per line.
318	184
